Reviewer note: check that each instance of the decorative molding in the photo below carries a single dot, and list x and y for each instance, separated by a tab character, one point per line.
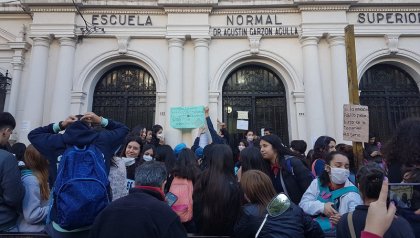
123	42
188	9
309	40
42	41
201	42
214	97
7	35
124	11
62	9
392	43
254	43
254	11
334	40
324	8
370	9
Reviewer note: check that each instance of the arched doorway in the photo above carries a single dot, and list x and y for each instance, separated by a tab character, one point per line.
127	94
260	92
391	95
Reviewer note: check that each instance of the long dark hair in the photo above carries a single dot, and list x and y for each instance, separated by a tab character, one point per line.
278	146
403	147
155	129
130	139
324	178
186	165
218	193
321	148
251	158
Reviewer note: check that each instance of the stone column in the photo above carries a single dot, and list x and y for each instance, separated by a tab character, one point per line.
174	88
34	96
339	82
61	102
314	106
201	71
17	63
300	114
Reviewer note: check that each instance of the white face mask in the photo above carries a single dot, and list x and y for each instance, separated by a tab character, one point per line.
339	175
250	138
147	158
241	147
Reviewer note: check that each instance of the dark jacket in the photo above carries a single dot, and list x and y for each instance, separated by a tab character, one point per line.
398	229
296	177
293	223
249	221
214	136
11	190
52	144
142	213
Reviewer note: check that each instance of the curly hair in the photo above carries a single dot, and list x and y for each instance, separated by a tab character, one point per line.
403	147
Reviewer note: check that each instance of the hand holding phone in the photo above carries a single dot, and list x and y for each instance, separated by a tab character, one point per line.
171	198
405	195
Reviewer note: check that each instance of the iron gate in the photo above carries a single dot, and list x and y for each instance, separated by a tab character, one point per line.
259	91
126	94
391	95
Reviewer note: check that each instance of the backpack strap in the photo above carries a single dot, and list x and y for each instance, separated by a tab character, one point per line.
340	192
350	224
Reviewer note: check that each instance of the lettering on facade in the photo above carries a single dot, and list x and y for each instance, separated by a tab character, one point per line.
388	17
122	20
245	25
252	20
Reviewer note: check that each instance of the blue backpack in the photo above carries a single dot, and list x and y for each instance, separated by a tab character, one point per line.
81	189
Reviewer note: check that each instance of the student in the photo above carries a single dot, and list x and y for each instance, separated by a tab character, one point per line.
323	145
288	174
331	194
217	194
35	203
259	191
369	181
11	188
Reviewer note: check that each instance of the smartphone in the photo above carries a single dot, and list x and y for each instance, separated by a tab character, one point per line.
171	198
405	195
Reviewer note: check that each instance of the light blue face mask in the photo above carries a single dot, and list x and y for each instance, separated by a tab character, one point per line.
147	158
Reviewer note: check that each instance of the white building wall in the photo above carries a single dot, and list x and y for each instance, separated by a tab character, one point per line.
148	46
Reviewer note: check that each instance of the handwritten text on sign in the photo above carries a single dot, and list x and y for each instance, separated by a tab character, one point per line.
356	123
187	117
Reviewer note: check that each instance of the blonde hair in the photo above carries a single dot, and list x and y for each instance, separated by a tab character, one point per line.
39	166
258	188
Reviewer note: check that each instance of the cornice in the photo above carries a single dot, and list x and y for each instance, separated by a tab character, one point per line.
125	11
188	9
385	9
53	9
254	11
320	8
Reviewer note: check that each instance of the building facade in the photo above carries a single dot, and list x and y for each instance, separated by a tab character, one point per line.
283	62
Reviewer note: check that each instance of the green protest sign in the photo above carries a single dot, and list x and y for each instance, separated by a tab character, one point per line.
187	117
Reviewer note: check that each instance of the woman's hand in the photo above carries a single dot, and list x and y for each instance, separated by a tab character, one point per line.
329	209
379	218
335	218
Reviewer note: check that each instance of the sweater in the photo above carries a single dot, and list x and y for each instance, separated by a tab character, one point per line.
399	228
35	209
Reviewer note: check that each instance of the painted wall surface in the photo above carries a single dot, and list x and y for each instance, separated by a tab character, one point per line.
386	31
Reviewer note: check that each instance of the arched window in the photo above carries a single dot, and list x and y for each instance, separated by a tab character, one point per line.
391	95
260	92
126	94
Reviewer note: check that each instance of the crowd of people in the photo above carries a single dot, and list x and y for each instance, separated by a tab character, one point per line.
89	176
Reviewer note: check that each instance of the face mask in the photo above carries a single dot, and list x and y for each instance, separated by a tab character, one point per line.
147	158
339	175
129	161
241	147
250	138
